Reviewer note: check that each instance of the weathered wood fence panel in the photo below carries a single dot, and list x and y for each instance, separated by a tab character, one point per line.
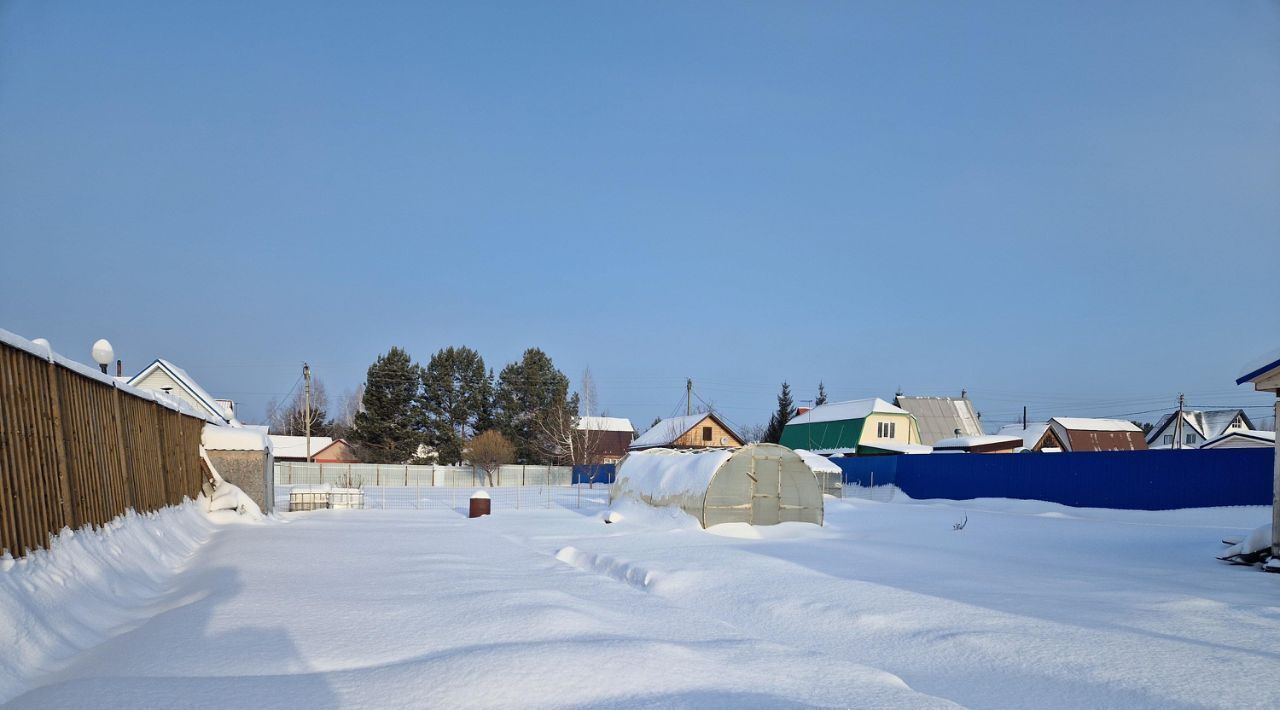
77	450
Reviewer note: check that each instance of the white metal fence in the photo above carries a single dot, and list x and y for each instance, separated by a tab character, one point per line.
577	497
410	476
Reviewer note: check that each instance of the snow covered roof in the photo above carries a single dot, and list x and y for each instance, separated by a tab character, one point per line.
606	424
1261	437
666	431
852	409
940	417
965	442
819	464
295	447
1087	424
187	383
1208	424
227	438
1030	436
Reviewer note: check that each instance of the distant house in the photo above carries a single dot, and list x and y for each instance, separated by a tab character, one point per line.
1081	434
324	449
941	417
1197	427
1242	439
983	444
610	437
856	427
1037	436
695	431
164	376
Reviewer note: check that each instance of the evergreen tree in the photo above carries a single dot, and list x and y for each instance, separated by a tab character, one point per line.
389	428
786	408
529	394
821	399
455	400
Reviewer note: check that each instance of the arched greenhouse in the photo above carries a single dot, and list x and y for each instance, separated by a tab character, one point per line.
760	484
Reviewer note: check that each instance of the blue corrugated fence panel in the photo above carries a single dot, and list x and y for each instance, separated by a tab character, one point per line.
1130	480
599	473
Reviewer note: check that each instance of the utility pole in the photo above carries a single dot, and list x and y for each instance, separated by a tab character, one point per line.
1024	416
1177	428
306	416
688	396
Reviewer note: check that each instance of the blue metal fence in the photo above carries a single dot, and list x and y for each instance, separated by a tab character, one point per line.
599	474
1130	480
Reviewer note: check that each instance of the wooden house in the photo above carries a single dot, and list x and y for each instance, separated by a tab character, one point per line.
1083	434
694	431
606	439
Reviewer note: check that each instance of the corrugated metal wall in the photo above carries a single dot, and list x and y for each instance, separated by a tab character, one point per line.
1129	480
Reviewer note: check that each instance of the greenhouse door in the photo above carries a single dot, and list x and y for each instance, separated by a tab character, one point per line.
766	492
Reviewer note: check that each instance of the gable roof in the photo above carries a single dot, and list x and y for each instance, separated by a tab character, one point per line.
605	424
187	383
939	417
1031	435
295	447
1208	424
851	409
1262	438
666	431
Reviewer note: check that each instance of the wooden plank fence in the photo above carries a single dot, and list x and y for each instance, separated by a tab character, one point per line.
76	450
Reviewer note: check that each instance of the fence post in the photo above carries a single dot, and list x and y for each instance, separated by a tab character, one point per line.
406	475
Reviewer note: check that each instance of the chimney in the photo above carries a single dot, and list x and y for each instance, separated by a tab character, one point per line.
801	410
119	368
964	393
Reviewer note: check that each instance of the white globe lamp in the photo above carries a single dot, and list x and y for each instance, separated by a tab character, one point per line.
103	354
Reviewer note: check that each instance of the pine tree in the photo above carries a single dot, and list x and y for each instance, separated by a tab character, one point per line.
786	408
389	428
821	399
455	400
529	395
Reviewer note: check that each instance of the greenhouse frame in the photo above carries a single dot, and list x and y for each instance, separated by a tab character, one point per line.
758	484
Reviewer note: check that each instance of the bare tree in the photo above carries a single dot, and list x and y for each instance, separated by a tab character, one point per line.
556	434
753	432
488	451
348	407
292	418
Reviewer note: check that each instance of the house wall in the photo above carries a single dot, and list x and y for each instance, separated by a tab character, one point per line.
692	439
158	379
337	452
905	431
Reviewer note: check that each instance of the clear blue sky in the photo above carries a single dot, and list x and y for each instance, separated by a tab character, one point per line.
1073	206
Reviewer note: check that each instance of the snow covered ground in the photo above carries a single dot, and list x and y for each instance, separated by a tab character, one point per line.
1030	605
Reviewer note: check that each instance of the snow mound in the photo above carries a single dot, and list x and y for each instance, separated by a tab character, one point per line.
1253	549
90	585
621	570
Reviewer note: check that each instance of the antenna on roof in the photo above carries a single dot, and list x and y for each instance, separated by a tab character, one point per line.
688	396
899	392
963	393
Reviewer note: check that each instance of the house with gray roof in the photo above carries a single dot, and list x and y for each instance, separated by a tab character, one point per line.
941	417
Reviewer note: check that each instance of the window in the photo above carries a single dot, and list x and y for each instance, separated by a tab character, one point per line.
1168	438
1189	439
706	433
884	430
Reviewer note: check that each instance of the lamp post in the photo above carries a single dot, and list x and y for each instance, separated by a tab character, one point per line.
103	354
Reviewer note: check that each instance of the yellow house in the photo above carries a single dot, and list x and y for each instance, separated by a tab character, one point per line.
853	427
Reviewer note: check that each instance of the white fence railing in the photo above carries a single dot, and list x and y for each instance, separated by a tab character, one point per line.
410	476
578	497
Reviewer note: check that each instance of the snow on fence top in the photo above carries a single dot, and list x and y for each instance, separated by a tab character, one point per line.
760	484
46	353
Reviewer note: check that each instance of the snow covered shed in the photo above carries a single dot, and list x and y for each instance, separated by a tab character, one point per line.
760	484
243	458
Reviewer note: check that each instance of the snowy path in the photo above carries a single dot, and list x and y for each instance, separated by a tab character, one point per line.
1031	605
427	609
